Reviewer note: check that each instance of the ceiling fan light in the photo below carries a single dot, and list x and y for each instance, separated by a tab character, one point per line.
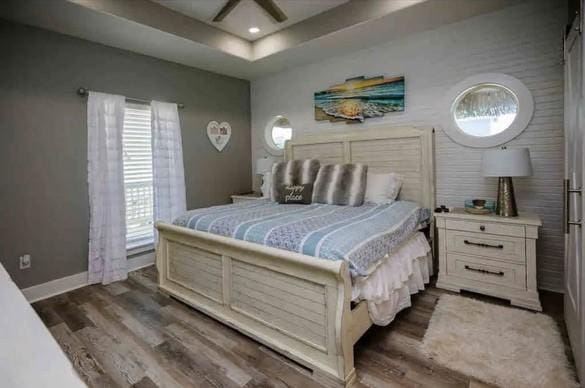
253	30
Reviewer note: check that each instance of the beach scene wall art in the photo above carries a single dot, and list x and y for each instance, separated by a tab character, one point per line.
360	98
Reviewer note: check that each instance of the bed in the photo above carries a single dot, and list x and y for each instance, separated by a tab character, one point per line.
256	288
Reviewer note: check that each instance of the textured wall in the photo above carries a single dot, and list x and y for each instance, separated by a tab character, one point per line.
523	41
43	140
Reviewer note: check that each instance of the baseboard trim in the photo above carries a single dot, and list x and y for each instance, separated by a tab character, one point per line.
55	287
72	282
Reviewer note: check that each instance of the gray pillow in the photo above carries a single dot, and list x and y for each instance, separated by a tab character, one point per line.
293	172
341	184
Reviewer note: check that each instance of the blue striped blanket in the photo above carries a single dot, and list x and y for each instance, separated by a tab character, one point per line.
360	235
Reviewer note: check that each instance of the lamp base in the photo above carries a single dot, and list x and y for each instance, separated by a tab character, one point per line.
506	203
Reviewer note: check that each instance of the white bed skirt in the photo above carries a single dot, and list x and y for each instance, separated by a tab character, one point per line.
403	273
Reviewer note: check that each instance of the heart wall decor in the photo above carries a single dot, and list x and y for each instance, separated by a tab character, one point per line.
219	134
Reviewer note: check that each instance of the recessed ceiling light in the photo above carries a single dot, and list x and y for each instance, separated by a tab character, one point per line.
254	30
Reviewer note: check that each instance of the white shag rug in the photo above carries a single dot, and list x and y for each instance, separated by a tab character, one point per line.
498	345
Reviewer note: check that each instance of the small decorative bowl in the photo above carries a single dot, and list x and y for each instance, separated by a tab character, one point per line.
478	203
480	206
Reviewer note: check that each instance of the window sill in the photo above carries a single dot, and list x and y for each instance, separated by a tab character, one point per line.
140	249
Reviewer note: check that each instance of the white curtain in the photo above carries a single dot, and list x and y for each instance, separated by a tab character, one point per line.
107	226
167	163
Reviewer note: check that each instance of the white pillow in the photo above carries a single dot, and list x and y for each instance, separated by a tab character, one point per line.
382	187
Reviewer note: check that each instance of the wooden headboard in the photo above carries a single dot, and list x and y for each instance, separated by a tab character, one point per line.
407	151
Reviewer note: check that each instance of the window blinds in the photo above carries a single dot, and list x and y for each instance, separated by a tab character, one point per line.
138	186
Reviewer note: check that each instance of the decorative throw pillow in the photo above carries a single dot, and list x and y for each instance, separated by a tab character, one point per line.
341	184
382	187
293	172
296	194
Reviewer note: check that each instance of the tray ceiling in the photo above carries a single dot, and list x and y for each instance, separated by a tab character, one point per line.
248	14
314	32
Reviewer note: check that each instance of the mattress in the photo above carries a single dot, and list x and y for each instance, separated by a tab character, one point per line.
360	235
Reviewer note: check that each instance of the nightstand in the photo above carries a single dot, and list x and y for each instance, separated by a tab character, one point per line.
245	197
489	254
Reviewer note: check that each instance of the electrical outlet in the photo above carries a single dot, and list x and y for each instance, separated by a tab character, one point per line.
25	261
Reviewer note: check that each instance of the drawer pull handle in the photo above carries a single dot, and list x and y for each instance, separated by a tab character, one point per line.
482	245
484	271
482	228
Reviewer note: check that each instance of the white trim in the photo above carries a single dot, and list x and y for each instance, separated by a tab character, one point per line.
140	249
525	110
73	282
55	287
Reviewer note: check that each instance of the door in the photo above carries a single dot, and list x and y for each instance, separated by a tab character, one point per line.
574	241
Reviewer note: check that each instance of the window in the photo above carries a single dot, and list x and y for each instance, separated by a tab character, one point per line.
281	132
487	110
138	186
278	131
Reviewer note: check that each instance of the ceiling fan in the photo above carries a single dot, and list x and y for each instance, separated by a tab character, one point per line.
267	5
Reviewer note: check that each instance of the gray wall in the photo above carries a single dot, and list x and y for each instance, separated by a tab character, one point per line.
523	41
43	140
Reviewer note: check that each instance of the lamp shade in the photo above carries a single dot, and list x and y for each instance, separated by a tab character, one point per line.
506	162
263	165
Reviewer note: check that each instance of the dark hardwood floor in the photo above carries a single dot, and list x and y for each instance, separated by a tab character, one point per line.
128	334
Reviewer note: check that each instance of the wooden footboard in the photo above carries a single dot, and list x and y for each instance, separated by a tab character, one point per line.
295	304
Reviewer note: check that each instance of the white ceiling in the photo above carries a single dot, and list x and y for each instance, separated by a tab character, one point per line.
146	27
247	14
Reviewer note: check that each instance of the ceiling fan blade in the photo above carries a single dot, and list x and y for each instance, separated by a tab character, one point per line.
227	8
272	9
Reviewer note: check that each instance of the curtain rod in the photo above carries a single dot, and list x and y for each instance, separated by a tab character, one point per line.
83	92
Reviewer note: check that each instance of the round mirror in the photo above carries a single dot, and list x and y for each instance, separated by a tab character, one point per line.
488	110
485	110
278	131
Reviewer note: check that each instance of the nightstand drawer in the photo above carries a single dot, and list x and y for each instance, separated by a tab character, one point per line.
486	271
510	249
486	227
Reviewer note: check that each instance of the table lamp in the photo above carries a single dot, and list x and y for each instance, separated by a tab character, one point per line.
263	166
505	163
